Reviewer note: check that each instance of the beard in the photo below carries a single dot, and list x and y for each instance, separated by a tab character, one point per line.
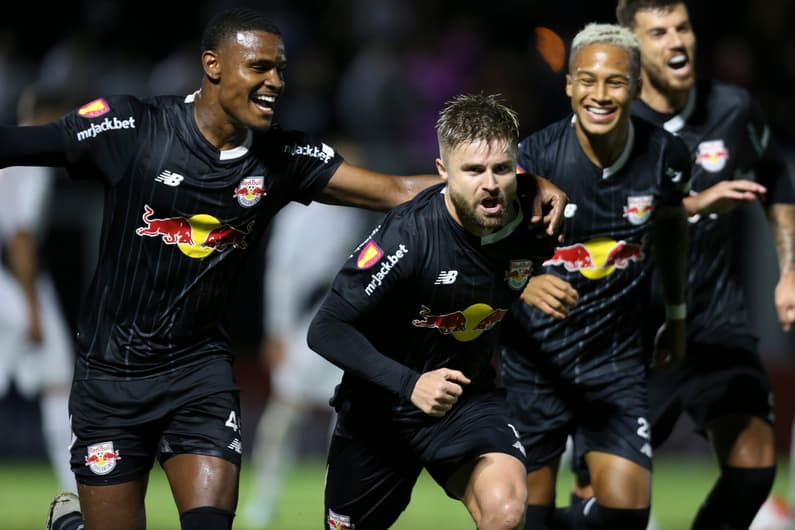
473	219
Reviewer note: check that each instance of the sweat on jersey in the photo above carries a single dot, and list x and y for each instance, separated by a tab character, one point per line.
178	217
728	139
605	252
421	293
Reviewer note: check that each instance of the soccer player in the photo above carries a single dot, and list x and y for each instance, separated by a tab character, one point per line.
572	361
305	249
35	343
191	183
722	385
412	319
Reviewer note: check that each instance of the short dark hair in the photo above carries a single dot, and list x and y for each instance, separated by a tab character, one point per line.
227	23
627	9
472	117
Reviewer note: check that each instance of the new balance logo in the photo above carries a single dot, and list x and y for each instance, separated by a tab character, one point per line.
519	446
446	278
236	446
646	450
169	179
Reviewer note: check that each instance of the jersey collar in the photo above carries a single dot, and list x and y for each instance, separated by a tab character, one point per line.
505	231
622	159
675	124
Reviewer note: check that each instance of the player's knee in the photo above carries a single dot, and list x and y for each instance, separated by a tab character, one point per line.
503	514
206	518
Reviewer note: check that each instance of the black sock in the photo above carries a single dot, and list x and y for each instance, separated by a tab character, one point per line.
70	521
592	516
564	518
536	516
735	498
206	518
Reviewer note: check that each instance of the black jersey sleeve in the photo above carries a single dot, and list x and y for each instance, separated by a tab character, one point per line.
313	162
377	274
35	145
334	335
767	160
103	136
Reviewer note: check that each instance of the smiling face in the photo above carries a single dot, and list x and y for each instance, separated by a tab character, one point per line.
481	184
668	48
601	89
247	76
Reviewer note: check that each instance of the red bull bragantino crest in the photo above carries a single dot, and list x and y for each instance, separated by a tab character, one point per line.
638	209
102	458
518	272
250	191
197	236
464	325
712	155
339	522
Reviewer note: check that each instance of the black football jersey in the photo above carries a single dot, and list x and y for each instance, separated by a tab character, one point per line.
728	138
606	248
428	294
179	216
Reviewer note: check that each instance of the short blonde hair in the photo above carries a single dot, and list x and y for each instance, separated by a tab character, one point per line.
476	117
612	35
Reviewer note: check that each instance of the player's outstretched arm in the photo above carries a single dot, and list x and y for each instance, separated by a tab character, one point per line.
670	240
723	197
35	145
782	223
551	295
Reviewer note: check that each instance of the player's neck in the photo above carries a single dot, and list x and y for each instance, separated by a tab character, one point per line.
604	149
662	101
214	126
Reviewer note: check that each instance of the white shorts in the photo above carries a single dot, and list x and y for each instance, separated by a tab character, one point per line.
32	367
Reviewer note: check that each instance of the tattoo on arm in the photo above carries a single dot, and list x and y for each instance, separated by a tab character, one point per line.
782	223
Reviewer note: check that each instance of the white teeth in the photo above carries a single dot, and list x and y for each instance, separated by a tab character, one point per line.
596	110
677	61
266	99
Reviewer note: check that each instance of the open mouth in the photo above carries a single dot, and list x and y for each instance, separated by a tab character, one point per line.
678	62
491	206
600	114
265	103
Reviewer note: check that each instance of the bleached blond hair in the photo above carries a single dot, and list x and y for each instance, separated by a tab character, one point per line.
611	35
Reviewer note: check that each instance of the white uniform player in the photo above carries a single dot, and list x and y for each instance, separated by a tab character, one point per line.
44	367
306	247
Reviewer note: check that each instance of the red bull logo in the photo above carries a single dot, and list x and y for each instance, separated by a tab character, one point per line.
102	458
95	108
196	237
638	209
250	191
518	273
712	155
464	325
339	522
598	257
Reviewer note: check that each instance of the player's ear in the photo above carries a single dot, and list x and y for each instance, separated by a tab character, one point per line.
569	86
211	65
441	168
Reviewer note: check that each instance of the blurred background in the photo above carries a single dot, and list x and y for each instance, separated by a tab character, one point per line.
369	76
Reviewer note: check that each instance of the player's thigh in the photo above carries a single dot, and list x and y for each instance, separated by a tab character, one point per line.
368	482
618	482
200	481
117	506
743	441
200	450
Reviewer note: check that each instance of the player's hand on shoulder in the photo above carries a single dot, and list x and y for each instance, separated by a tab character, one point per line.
547	203
723	197
437	391
551	295
670	343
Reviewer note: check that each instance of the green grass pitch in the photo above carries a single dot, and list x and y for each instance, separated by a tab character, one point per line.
680	483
